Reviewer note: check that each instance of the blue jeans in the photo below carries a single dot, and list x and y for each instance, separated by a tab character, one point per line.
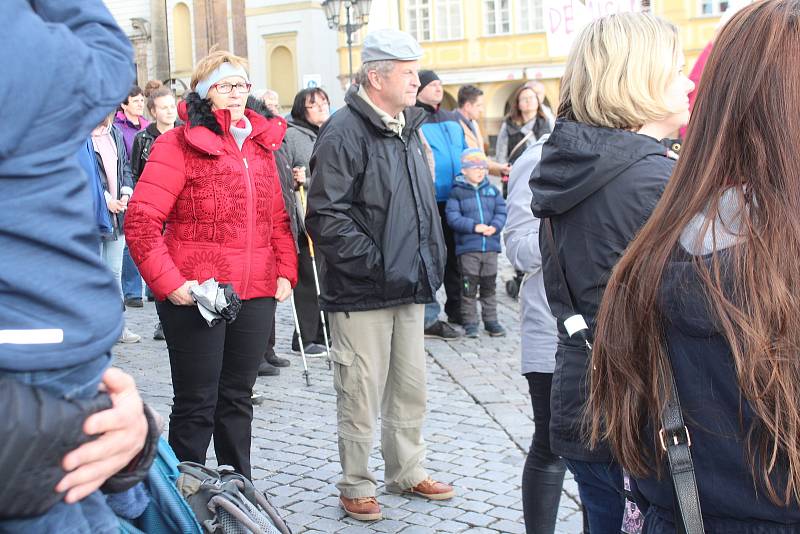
432	310
91	515
112	252
131	279
600	487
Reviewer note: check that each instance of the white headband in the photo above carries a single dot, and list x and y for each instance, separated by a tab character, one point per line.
223	71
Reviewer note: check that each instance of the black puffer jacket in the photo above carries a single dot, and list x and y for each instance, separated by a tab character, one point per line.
598	186
372	212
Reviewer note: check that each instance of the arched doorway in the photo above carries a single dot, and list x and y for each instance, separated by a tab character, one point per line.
283	75
182	38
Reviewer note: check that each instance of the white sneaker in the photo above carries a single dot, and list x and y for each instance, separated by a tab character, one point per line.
129	337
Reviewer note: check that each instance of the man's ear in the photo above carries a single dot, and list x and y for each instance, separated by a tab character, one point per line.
375	79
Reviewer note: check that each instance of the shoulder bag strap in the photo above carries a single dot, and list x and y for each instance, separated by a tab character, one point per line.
675	441
519	145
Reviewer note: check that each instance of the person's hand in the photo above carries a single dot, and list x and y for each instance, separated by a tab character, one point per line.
182	296
115	206
505	169
284	289
490	230
124	200
480	228
122	431
299	176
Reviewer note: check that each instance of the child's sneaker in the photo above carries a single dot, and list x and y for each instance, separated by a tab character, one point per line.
494	328
471	329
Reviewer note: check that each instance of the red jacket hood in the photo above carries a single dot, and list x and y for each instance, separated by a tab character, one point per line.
266	132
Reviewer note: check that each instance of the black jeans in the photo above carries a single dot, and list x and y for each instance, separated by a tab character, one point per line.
213	372
543	475
452	271
305	298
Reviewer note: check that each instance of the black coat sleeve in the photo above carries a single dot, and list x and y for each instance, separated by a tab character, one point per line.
38	429
336	168
137	162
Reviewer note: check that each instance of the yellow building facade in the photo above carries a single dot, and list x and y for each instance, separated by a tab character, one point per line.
499	44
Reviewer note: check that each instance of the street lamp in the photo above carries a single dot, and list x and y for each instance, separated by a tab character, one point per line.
359	18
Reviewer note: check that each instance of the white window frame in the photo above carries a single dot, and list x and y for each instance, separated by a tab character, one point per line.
449	20
418	16
534	22
716	7
495	7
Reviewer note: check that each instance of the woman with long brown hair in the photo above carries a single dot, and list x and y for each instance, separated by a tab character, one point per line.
710	289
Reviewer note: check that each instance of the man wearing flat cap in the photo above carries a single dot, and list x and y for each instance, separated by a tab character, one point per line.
372	213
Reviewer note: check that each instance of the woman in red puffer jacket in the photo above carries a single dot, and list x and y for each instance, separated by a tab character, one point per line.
213	187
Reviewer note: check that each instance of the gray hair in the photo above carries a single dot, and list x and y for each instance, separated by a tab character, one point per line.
382	67
262	94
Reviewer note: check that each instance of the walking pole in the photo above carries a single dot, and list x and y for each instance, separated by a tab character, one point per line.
300	340
316	280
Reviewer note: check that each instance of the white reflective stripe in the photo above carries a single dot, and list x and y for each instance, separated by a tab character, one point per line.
36	336
574	324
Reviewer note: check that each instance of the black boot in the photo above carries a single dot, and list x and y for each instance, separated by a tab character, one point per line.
276	361
267	369
542	480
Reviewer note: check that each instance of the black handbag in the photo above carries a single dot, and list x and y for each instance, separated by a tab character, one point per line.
673	437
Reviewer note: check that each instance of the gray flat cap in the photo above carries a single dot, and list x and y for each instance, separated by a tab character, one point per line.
390	44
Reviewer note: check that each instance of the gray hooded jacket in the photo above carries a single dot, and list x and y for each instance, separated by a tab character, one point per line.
521	235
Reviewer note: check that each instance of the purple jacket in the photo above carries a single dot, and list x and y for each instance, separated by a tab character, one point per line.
128	129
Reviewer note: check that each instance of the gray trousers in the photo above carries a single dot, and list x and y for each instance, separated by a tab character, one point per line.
379	369
478	273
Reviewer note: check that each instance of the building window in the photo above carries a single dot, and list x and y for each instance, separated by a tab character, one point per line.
448	20
713	7
419	19
531	16
498	17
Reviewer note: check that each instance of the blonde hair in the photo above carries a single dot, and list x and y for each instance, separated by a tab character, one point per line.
618	71
211	62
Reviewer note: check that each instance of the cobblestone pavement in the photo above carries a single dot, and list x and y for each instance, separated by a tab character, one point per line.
478	428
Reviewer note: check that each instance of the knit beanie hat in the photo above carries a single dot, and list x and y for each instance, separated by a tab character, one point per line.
474	158
426	77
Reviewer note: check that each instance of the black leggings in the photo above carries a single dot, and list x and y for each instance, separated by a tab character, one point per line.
213	372
543	475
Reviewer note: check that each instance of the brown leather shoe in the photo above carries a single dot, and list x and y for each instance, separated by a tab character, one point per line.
361	508
437	491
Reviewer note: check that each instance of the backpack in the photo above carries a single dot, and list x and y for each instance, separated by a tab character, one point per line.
224	501
168	512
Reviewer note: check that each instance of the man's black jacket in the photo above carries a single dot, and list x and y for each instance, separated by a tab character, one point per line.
372	212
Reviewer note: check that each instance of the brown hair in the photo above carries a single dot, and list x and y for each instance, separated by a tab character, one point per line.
744	134
152	85
514	114
155	94
209	64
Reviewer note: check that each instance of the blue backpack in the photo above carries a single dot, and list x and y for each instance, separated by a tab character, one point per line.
168	512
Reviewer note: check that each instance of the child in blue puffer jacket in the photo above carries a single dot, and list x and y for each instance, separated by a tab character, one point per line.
476	212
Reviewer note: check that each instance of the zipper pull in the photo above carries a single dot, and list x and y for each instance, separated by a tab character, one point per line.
245	163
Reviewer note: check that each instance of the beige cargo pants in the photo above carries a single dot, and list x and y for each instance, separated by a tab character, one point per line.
379	369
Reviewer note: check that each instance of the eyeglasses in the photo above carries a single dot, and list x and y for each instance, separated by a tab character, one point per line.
225	88
319	106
